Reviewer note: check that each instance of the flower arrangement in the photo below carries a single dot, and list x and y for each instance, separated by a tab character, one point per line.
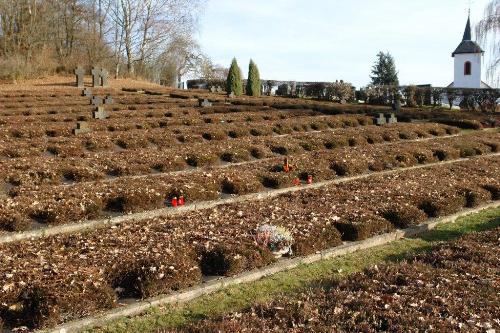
277	239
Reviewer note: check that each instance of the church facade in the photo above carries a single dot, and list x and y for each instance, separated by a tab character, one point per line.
468	58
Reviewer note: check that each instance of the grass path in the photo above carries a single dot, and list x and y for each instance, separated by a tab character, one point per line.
239	297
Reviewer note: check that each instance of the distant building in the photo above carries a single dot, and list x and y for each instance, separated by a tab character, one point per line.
468	61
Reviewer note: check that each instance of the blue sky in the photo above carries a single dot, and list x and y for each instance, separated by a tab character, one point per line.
326	40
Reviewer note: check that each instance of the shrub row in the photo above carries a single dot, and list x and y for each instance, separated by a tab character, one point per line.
56	125
87	200
67	276
142	161
455	278
33	142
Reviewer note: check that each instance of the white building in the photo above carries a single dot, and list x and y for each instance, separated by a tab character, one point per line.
468	60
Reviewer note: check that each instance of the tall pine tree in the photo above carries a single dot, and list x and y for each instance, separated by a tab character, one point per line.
253	82
234	83
384	70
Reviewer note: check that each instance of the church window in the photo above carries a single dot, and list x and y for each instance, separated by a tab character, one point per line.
467	68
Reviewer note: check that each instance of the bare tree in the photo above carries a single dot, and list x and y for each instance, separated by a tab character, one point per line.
135	34
488	31
148	27
23	29
183	56
65	22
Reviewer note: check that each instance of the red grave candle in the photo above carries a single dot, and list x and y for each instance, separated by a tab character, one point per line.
309	179
174	202
181	200
286	166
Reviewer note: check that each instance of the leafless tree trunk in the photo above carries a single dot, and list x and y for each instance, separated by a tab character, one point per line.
118	33
488	31
148	26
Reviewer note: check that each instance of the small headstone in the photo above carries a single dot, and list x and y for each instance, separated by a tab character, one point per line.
219	89
100	113
343	101
381	119
231	95
96	101
213	89
96	77
204	103
79	72
108	100
82	127
104	77
392	119
86	92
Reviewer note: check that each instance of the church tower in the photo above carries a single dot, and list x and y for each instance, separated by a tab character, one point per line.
468	57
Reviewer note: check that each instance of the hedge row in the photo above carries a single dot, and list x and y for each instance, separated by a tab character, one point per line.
67	276
35	143
27	126
88	200
451	288
142	161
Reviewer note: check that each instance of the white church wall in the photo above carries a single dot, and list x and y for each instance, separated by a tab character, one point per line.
467	81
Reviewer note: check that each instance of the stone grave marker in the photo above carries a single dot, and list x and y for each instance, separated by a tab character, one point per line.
82	127
96	101
79	72
231	95
380	120
392	119
219	89
100	113
96	77
86	92
204	103
213	89
108	100
104	77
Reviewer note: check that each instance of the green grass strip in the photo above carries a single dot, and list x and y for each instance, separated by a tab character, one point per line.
239	297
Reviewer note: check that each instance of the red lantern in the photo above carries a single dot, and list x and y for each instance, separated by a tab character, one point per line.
174	202
309	179
181	200
296	181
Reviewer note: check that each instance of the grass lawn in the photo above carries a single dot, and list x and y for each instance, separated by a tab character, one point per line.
239	297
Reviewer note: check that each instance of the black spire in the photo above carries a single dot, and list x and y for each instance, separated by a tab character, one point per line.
467	32
467	45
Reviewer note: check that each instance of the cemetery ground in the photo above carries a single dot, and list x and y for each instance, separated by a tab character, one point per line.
291	284
157	190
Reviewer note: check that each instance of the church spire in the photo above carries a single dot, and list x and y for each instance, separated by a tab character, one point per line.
467	32
467	45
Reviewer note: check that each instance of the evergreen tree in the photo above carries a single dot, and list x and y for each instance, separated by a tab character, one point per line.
234	83
384	70
253	82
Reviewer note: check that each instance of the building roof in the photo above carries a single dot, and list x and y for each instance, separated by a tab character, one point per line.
467	32
484	85
467	45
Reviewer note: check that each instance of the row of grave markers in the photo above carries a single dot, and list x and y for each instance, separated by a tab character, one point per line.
99	113
99	77
382	120
204	103
215	89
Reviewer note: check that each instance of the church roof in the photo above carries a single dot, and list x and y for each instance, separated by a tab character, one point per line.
467	45
467	32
